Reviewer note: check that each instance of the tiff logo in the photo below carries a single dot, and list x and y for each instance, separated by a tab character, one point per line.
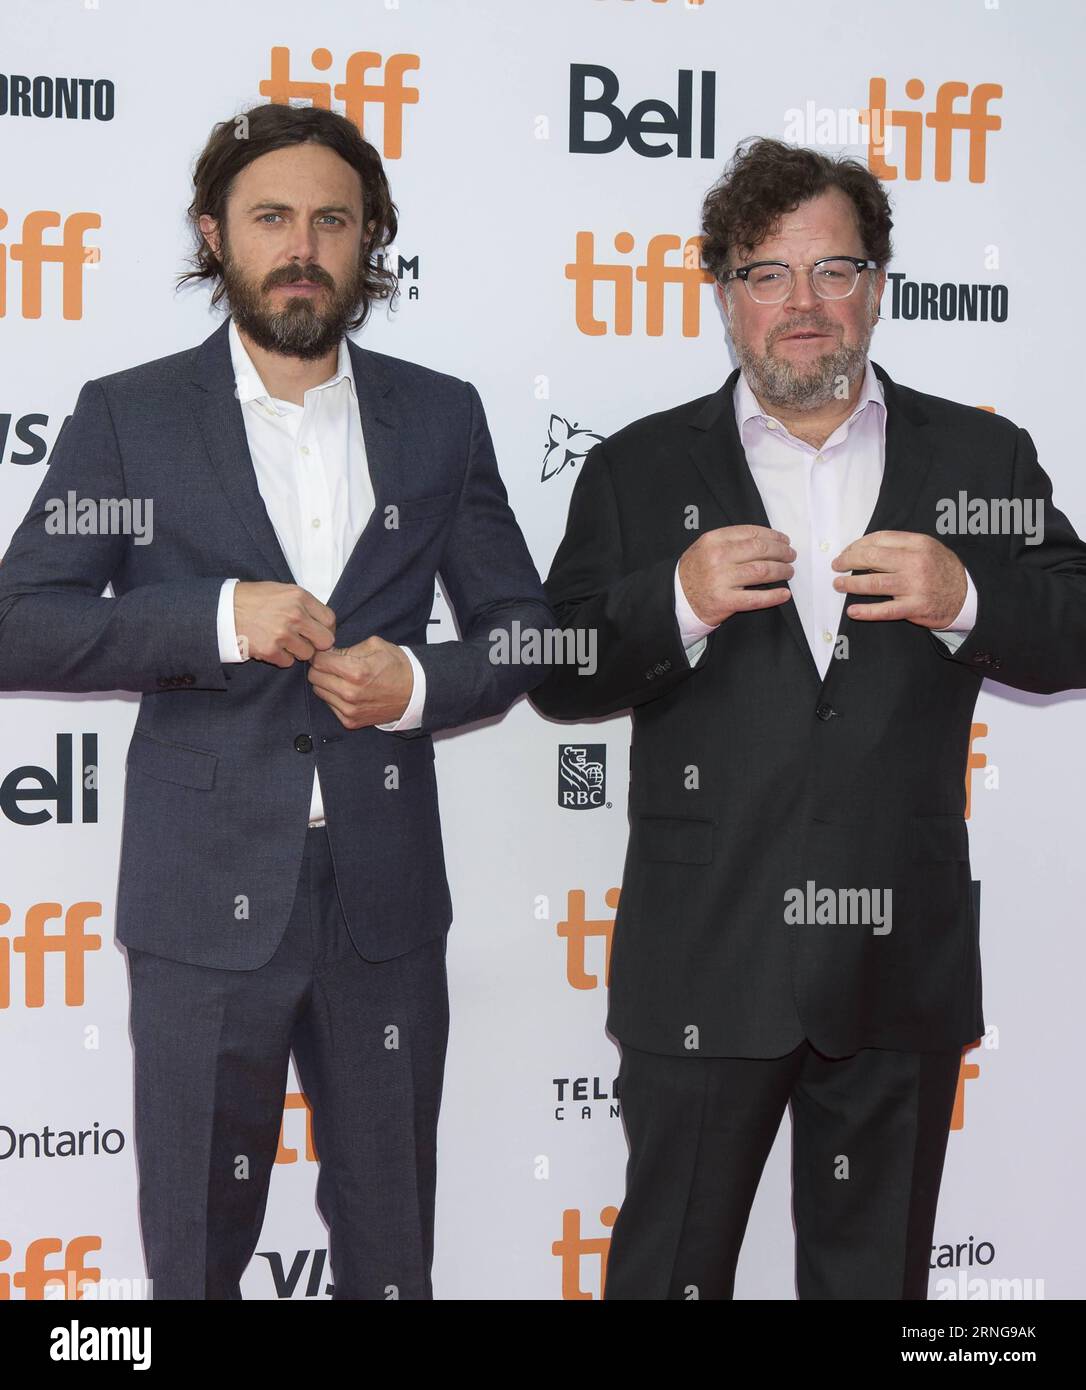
35	943
36	1277
354	91
655	274
574	1248
944	121
33	252
577	928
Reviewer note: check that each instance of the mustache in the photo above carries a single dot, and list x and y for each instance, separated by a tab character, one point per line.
826	328
290	275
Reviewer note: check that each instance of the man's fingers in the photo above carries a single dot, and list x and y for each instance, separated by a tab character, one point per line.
319	611
762	571
749	600
880	612
329	683
880	582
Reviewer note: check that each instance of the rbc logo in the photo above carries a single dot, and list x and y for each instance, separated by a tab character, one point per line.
581	779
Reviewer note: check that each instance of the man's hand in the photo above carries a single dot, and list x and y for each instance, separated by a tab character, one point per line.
925	580
281	623
369	683
714	570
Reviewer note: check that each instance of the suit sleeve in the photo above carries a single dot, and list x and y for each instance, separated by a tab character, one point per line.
1030	631
625	611
57	632
494	589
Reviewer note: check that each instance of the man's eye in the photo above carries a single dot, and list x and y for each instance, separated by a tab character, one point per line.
265	215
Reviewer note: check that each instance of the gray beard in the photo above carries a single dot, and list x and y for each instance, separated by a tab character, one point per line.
782	383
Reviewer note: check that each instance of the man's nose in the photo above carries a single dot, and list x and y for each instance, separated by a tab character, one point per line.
801	296
302	245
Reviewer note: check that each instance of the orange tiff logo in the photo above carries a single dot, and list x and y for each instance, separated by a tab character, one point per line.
354	91
944	121
35	1276
35	943
577	928
295	1100
655	274
574	1247
33	252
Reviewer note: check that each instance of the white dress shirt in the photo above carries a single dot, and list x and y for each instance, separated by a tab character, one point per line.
822	499
313	475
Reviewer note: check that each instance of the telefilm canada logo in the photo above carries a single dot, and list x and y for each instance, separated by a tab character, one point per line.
582	776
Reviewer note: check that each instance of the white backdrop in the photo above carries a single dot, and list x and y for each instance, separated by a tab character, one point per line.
492	198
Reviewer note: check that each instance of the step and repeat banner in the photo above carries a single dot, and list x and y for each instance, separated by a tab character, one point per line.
548	158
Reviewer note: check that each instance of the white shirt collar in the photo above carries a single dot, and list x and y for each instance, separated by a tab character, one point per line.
251	388
747	407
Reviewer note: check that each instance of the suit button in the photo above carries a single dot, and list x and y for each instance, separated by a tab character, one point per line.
825	711
303	743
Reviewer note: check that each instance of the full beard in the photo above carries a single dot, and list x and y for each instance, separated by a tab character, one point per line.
302	327
803	386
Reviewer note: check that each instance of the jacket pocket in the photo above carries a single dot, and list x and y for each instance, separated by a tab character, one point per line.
675	839
172	762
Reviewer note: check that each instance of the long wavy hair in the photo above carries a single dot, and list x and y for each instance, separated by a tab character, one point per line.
235	143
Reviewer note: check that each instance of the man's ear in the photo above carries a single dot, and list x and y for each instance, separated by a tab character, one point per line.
722	296
880	285
210	228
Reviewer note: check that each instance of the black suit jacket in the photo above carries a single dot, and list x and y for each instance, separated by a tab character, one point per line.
752	776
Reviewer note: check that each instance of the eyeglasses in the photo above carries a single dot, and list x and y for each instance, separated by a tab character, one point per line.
770	282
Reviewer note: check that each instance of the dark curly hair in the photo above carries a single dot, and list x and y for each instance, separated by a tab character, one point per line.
767	179
235	143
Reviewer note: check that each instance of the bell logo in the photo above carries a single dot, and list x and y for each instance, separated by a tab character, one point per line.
354	91
32	253
654	274
654	119
944	121
34	1278
59	787
35	943
573	1248
577	929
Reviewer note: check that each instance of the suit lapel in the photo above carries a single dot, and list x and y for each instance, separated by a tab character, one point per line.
717	453
222	425
382	431
218	414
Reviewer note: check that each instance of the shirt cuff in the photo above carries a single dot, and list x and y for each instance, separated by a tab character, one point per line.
955	633
692	630
412	715
229	651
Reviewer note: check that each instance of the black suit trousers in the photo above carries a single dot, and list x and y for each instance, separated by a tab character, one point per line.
869	1136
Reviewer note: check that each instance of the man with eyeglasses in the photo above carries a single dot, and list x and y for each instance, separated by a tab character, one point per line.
801	644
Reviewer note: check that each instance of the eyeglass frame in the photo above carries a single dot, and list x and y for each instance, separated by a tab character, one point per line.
743	271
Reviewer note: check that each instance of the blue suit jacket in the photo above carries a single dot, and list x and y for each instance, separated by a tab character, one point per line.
220	767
